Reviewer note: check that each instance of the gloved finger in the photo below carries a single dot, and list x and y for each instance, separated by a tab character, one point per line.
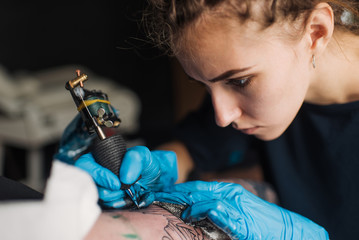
140	187
202	209
139	191
236	228
117	199
133	163
184	198
133	195
197	211
146	199
187	197
108	195
193	186
213	190
221	214
118	204
102	176
166	166
174	197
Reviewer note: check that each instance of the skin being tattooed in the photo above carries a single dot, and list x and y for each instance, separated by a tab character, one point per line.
209	230
162	221
153	222
176	227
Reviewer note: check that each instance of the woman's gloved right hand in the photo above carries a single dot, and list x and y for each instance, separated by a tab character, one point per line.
157	171
238	212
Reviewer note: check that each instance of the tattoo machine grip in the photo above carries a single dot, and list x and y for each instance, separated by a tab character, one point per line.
109	153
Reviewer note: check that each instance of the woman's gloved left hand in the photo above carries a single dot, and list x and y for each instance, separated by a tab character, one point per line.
154	170
74	141
239	213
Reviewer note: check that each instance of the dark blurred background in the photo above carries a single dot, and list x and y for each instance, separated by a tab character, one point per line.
105	37
101	35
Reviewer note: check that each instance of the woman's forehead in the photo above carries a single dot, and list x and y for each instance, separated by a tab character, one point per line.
223	34
211	27
208	52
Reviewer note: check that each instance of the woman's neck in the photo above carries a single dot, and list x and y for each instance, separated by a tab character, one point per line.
336	76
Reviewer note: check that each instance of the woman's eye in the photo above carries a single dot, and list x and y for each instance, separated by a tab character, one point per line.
240	82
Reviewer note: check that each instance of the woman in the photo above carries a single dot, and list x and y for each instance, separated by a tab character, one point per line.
282	72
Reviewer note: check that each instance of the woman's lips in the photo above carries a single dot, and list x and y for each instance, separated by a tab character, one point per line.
249	130
246	130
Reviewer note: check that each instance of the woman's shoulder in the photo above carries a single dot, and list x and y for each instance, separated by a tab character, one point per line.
349	107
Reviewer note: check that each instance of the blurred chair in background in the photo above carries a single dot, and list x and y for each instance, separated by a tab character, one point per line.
35	109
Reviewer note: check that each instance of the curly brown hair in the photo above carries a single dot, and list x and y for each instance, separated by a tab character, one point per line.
165	20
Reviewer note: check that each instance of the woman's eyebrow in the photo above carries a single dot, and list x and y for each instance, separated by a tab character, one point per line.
228	74
224	75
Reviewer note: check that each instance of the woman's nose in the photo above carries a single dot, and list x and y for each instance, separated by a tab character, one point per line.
226	109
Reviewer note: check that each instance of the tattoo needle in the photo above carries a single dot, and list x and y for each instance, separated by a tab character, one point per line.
132	197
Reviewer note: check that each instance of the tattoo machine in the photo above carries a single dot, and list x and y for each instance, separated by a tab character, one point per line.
109	148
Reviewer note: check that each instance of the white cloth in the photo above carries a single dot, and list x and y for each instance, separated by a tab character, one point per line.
68	211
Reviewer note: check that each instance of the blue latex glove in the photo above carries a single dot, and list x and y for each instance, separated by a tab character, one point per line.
158	171
74	141
239	213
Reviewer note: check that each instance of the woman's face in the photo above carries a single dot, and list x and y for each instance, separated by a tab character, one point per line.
256	78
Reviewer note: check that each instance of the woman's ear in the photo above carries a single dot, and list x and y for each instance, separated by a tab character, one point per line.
320	27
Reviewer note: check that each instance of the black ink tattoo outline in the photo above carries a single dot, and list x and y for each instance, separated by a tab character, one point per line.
176	227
